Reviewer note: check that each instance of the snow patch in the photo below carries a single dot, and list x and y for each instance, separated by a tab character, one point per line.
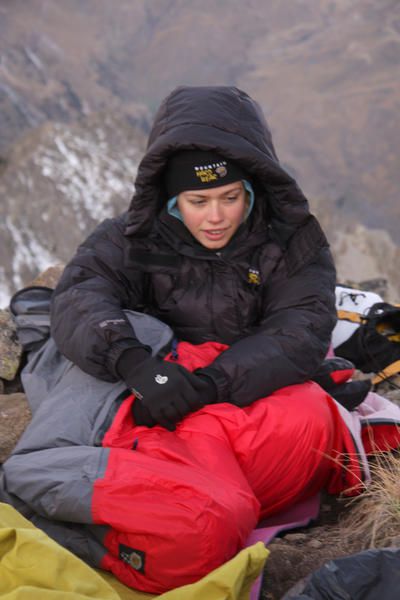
33	58
5	292
83	169
28	252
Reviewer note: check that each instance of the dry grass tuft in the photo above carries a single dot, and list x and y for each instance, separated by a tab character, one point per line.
374	519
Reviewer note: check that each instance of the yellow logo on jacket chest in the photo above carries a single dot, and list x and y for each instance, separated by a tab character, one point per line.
253	277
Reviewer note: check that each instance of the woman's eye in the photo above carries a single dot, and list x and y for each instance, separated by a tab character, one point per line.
197	202
232	198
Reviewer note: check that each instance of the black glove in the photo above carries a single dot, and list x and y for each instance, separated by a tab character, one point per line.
351	394
332	376
130	359
141	414
168	392
333	372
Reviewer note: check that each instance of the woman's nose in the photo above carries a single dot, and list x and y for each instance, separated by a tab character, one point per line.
215	212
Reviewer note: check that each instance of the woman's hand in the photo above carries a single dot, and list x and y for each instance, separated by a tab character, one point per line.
166	392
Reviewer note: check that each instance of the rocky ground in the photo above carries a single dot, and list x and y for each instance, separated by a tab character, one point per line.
293	556
296	554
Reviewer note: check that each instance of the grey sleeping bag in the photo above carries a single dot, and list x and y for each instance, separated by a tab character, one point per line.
49	476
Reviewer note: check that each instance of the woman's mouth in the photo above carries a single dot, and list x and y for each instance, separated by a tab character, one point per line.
214	234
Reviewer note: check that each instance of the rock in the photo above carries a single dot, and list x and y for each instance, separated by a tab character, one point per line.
297	538
378	285
10	348
372	255
49	278
277	540
360	376
78	177
315	544
12	387
1	387
14	417
390	388
393	396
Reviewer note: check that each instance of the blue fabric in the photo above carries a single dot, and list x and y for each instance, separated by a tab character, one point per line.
249	189
174	211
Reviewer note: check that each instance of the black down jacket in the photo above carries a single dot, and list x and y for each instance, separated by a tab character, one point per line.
278	328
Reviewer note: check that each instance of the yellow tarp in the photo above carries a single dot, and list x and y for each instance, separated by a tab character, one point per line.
34	567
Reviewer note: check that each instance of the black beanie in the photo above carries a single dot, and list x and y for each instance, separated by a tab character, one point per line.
199	169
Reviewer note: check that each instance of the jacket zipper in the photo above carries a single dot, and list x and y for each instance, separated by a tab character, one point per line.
210	297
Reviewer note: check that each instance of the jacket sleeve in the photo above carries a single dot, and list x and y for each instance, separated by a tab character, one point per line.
291	339
87	319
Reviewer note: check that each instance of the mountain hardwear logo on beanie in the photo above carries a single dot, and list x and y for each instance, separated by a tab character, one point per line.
198	169
211	172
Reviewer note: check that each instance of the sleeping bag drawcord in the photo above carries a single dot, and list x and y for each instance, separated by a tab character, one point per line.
174	349
135	443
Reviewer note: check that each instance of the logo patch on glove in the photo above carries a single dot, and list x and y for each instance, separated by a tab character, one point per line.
161	379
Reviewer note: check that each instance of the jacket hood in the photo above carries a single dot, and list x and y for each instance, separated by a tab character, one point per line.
225	120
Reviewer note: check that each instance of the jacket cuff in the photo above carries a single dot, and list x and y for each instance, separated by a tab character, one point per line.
220	381
117	350
210	394
129	360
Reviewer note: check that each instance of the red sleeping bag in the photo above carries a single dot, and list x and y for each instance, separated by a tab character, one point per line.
181	503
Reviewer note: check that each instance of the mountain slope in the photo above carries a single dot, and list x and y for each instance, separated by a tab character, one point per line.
325	73
60	182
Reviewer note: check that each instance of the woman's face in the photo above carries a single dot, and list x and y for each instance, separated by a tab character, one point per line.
212	216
